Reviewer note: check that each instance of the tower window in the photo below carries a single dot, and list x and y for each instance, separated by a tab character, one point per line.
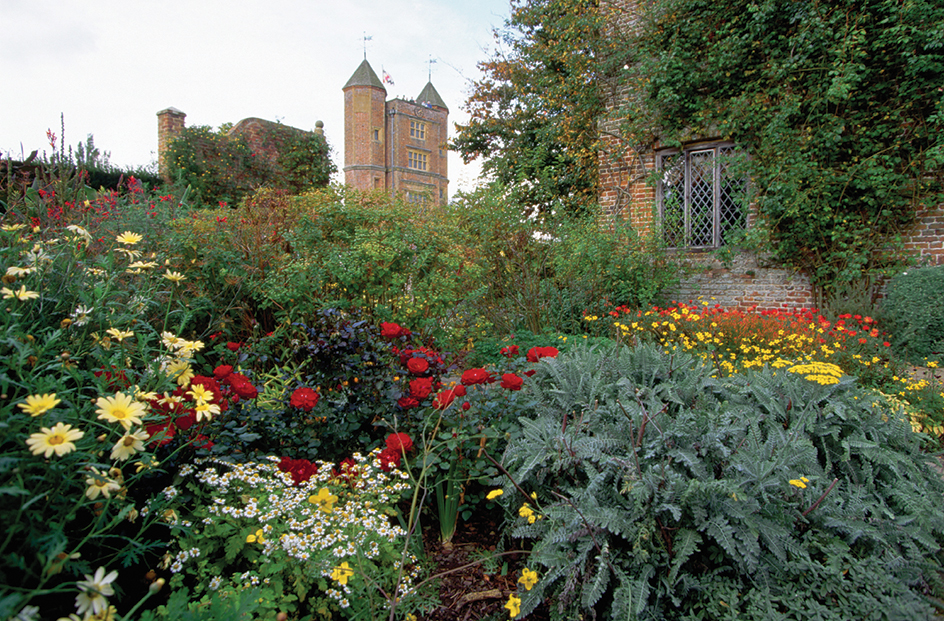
418	130
416	160
376	135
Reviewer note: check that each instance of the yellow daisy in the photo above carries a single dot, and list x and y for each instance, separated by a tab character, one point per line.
181	371
129	238
100	485
120	335
200	393
206	410
121	409
59	440
39	404
21	294
174	277
128	445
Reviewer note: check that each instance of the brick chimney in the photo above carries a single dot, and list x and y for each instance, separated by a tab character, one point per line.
170	122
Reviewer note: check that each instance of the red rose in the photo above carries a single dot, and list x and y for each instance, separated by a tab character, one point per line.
185	422
529	372
391	330
466	406
475	376
304	398
399	442
389	459
444	399
407	402
459	390
222	371
509	352
421	387
242	386
511	381
417	366
536	353
233	346
161	432
300	469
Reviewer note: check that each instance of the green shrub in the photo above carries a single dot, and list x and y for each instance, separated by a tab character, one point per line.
545	275
914	312
662	492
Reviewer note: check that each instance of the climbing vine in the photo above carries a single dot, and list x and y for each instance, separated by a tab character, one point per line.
838	105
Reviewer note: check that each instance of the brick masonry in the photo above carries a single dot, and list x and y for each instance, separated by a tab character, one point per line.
745	281
378	140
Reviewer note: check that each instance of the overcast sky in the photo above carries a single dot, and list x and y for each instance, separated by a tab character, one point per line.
110	65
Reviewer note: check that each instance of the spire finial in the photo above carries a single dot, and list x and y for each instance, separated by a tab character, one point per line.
432	61
366	39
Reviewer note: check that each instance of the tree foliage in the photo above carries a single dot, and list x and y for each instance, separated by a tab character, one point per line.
533	117
838	104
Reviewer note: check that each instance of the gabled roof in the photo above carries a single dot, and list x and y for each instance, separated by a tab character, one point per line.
430	96
365	76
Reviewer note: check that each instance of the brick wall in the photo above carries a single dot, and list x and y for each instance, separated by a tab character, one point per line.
433	182
170	122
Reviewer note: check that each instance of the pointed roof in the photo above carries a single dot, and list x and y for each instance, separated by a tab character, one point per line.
430	96
365	76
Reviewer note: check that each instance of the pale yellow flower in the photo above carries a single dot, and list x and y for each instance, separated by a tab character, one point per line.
174	277
94	591
21	294
206	410
122	409
181	371
119	335
99	484
129	238
59	440
141	265
170	340
128	445
16	271
200	393
11	228
39	404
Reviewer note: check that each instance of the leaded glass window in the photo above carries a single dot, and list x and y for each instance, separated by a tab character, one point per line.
700	200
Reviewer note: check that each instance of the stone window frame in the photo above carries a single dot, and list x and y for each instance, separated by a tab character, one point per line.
700	205
417	160
417	130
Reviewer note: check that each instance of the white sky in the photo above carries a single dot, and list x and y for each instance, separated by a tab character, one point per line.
110	65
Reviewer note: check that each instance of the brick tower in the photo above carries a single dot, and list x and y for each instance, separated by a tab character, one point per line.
398	146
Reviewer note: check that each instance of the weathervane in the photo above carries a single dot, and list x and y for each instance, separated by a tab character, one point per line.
431	62
366	39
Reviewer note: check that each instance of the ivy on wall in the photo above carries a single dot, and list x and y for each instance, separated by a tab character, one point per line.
221	168
839	107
